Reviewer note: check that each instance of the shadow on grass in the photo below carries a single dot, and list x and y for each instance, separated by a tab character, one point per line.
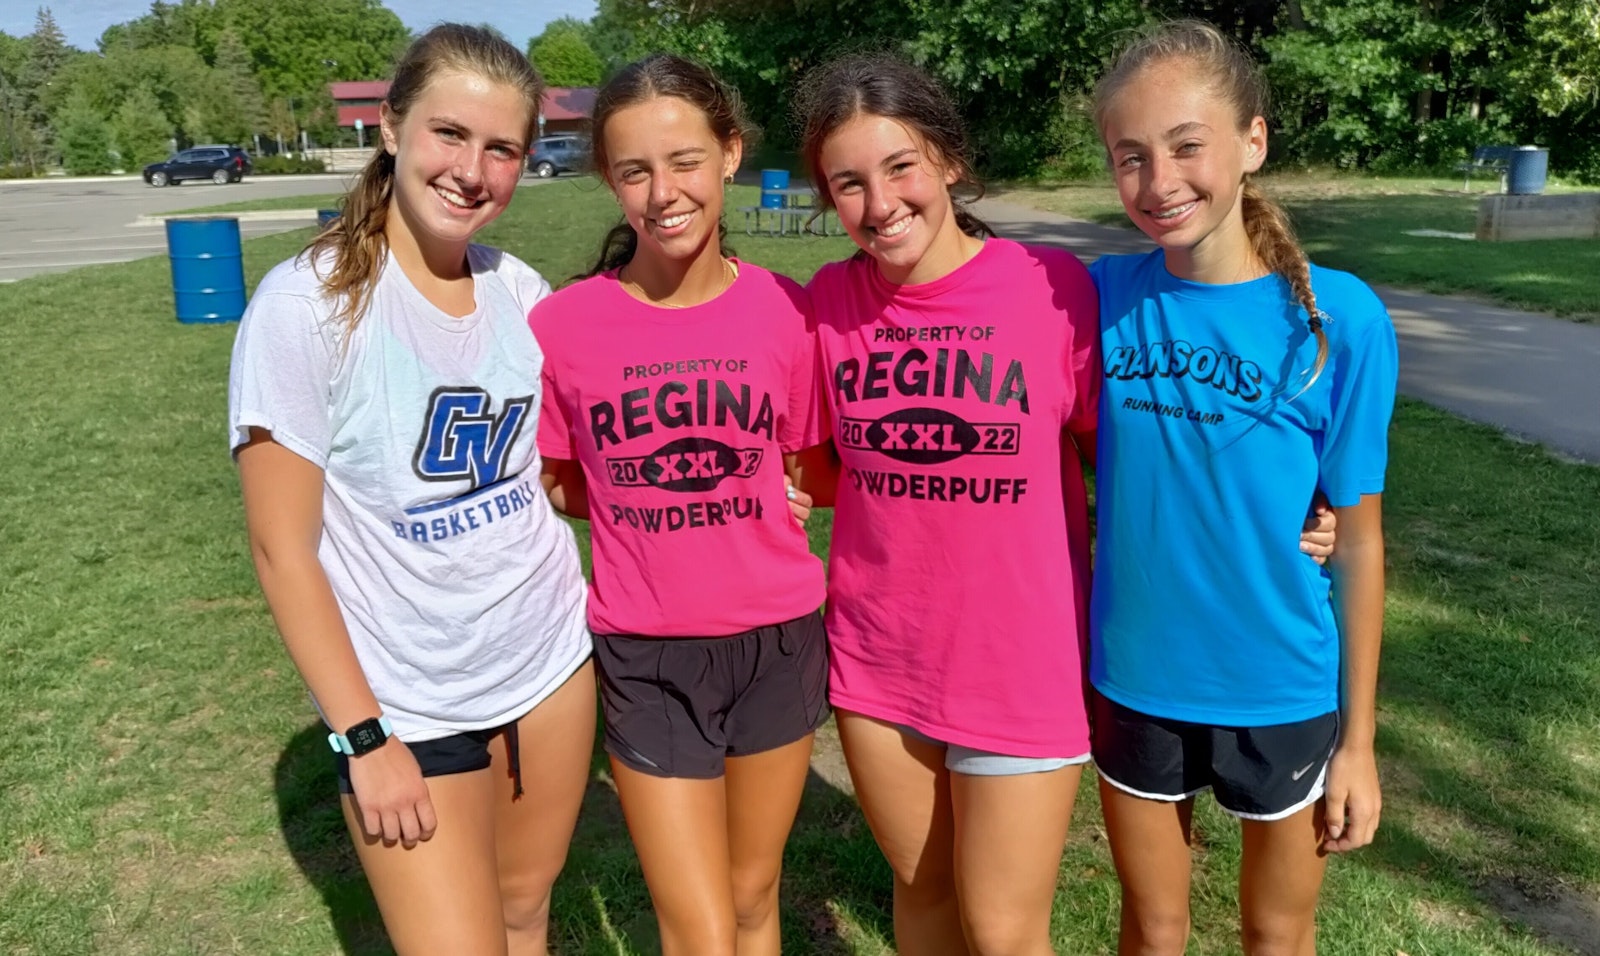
1491	677
835	885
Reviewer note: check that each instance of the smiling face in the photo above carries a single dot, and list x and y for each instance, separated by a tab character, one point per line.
892	194
666	167
1179	159
458	156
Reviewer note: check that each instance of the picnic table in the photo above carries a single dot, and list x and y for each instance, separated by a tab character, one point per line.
796	209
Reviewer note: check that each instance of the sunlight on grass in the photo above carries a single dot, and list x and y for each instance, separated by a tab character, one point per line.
166	787
1359	224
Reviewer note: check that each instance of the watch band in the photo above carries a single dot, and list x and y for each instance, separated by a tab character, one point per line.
362	738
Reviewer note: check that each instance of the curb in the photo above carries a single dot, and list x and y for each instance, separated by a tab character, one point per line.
254	215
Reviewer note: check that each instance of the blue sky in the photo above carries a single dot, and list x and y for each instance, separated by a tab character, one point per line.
84	20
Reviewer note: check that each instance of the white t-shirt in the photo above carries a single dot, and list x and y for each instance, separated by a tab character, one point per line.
459	585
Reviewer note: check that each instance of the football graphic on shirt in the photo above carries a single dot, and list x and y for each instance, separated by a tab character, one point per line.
928	436
689	464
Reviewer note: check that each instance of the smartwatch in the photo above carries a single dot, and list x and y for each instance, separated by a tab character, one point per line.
364	737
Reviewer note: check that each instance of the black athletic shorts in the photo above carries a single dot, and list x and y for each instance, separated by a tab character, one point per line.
1256	773
457	753
678	707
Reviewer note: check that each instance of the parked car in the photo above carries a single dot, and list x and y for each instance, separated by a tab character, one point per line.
550	155
220	164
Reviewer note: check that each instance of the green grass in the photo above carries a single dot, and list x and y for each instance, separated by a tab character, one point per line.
163	787
1359	224
328	201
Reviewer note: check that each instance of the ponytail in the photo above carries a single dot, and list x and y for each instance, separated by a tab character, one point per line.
1274	243
356	241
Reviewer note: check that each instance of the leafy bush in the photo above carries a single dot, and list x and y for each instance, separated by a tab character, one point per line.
284	164
11	171
1438	145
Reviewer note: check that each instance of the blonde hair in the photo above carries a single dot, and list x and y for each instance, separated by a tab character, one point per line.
1233	75
356	238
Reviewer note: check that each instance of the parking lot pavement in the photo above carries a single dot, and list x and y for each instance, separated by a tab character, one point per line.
53	225
56	225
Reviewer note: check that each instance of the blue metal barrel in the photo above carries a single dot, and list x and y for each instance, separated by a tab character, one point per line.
773	179
207	269
1525	175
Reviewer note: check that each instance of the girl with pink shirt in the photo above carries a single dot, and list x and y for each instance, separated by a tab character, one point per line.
678	382
961	372
962	375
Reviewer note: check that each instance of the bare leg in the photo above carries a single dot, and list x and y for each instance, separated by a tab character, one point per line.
1010	832
1150	845
1279	882
904	790
680	831
763	793
532	834
441	895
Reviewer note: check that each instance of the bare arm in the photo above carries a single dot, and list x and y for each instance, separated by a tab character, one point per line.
563	481
1354	800
815	471
283	513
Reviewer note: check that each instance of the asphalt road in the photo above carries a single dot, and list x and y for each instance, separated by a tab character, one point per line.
56	225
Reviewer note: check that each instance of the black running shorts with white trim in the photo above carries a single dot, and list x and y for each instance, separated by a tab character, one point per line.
678	707
1256	773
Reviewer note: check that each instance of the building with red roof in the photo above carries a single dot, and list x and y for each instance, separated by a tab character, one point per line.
564	110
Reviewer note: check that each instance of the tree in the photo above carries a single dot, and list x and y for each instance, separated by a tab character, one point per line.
242	112
563	57
13	53
140	131
84	137
300	46
47	54
194	24
1560	69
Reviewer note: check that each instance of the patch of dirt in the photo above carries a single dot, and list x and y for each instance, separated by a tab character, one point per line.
1559	914
827	759
1439	914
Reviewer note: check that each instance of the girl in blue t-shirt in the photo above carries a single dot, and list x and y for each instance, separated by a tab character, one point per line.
1239	381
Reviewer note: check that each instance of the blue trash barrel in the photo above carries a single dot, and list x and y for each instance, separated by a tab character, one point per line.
773	179
1525	175
207	269
325	216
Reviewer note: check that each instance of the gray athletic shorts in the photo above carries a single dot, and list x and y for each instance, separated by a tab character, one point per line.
678	707
987	763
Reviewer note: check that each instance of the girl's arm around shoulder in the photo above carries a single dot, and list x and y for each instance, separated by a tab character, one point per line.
283	515
1354	799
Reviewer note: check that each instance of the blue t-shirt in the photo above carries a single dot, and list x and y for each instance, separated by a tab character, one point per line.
1210	449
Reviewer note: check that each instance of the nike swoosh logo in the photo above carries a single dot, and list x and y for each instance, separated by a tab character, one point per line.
1302	771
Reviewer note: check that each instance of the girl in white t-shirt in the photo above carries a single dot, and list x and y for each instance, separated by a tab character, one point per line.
382	405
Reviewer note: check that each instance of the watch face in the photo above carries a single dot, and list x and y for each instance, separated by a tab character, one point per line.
365	736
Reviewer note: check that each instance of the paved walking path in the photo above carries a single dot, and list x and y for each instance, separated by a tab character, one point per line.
1535	377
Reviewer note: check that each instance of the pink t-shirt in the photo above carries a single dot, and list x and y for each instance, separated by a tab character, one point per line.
680	419
958	577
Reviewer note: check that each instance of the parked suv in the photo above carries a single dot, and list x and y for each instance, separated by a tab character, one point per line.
220	164
550	155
